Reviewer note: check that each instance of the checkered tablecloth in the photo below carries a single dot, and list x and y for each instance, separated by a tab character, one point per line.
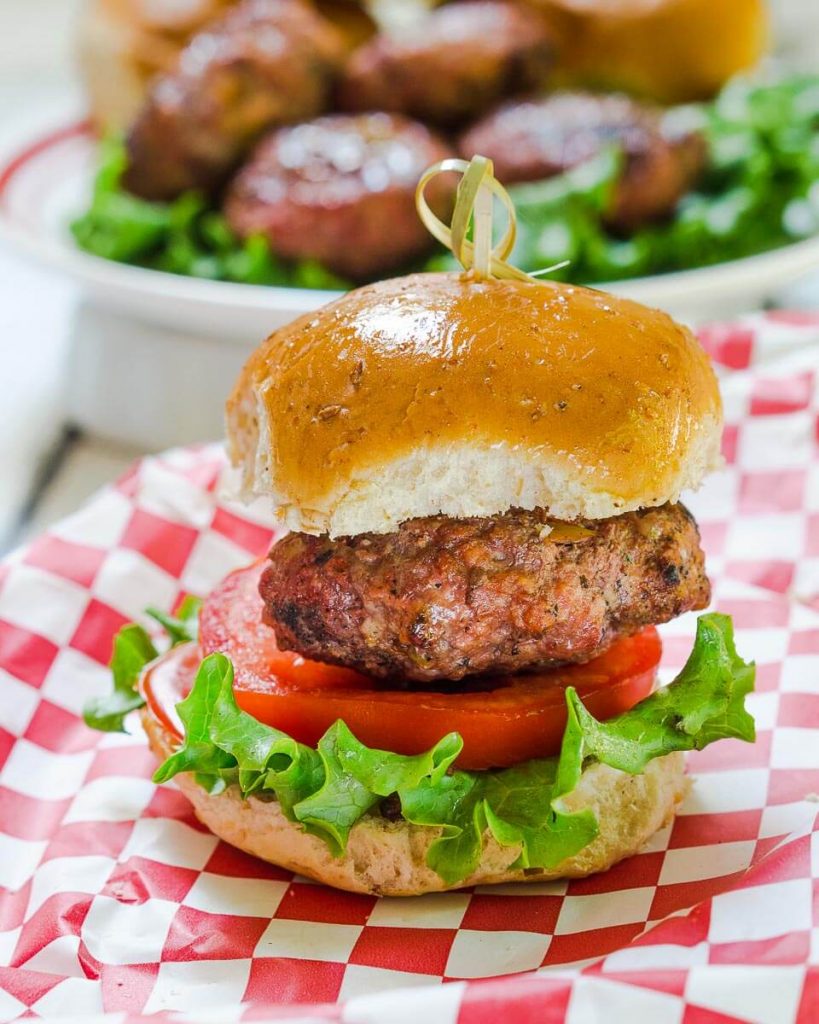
114	900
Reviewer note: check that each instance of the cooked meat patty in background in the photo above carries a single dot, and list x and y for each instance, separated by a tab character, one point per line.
539	138
446	598
453	64
267	62
341	190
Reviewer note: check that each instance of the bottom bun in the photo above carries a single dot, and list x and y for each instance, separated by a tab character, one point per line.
388	858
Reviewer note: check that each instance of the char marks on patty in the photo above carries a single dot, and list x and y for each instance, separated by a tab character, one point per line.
446	598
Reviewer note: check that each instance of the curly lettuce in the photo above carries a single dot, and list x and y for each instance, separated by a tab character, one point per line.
329	789
757	191
185	236
133	649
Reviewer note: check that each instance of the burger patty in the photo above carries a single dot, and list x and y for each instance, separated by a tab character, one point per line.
341	190
445	598
455	63
264	63
532	139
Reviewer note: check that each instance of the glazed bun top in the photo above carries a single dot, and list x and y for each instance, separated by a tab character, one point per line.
437	393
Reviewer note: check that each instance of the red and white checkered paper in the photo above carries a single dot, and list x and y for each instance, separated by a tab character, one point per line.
114	900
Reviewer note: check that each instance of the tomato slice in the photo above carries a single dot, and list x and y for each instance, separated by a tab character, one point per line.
507	720
231	622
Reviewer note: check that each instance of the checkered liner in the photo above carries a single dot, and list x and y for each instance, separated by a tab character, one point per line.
113	899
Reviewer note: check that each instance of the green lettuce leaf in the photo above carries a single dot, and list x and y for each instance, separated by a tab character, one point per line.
356	778
183	627
188	235
706	702
226	746
132	650
329	789
199	753
756	191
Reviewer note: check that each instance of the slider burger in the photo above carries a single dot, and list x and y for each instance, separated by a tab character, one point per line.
444	673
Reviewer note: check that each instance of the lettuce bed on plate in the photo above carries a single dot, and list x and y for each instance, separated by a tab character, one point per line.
186	236
328	789
760	190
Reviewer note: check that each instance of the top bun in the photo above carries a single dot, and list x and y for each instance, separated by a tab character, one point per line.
437	393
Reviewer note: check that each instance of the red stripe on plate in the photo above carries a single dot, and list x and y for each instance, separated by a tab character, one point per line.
35	149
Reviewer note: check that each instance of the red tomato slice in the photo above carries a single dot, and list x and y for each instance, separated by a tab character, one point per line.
511	719
231	622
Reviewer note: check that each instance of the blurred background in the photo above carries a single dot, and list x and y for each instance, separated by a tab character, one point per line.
135	278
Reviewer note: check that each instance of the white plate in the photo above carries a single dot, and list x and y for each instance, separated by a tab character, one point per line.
48	182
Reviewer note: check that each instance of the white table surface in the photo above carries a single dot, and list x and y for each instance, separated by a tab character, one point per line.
38	89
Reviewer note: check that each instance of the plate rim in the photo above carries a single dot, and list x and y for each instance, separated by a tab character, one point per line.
51	250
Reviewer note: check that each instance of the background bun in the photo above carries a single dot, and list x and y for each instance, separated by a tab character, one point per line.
670	50
435	393
388	858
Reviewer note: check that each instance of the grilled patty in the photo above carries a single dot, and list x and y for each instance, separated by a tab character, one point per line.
446	598
453	64
340	190
265	63
538	138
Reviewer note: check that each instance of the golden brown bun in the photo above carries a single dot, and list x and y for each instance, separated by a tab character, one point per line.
671	50
124	44
388	858
437	394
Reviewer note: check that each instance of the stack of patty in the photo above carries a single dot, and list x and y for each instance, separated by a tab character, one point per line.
310	146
